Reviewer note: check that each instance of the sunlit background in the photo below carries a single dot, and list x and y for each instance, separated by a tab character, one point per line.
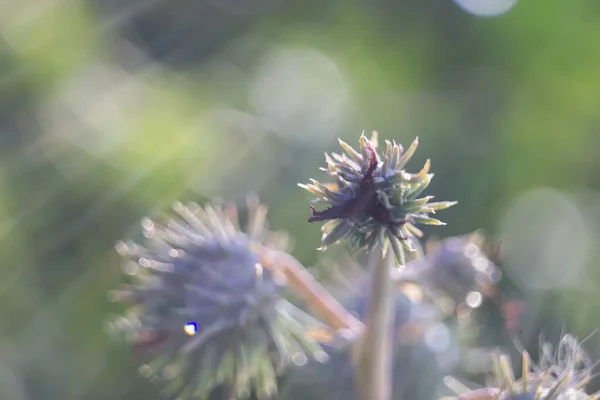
112	109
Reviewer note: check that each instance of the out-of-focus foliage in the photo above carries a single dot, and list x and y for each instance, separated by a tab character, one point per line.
111	110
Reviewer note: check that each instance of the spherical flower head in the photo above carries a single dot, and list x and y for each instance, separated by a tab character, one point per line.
205	312
372	198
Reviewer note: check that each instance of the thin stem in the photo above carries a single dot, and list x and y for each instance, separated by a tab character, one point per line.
315	295
374	362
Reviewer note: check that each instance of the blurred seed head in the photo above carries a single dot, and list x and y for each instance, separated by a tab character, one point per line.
204	312
457	270
372	198
560	375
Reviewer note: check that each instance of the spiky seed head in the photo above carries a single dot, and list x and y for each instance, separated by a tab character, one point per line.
204	312
560	375
372	198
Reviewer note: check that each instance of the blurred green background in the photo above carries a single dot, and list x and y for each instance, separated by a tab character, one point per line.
111	110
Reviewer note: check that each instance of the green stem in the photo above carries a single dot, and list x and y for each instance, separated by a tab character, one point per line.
375	358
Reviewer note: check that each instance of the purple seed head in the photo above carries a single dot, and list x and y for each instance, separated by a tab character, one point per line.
205	311
372	199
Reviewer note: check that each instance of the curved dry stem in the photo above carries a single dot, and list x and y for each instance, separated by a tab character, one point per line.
320	301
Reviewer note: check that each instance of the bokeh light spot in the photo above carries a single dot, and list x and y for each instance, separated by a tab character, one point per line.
259	269
486	8
301	94
474	299
299	359
548	240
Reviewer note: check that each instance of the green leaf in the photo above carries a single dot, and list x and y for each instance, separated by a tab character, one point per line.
337	233
408	155
397	248
414	230
415	205
355	155
426	220
329	194
422	173
441	205
419	187
387	158
396	151
364	147
405	243
343	160
313	190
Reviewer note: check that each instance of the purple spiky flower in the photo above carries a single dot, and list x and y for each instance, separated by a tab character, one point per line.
373	199
204	312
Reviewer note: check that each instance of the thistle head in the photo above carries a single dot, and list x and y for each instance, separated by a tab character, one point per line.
204	312
372	199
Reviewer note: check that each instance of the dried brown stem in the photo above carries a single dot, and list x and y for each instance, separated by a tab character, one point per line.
304	284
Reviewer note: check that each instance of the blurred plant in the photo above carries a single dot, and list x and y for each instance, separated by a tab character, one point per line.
206	311
414	319
455	272
560	375
209	312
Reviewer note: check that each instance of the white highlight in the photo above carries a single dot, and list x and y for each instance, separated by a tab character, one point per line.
190	328
474	299
486	8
